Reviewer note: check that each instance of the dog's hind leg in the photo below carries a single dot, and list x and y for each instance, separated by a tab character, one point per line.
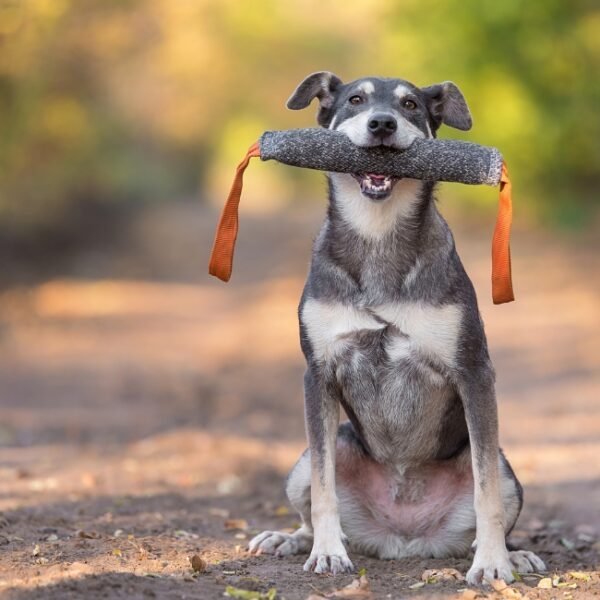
298	492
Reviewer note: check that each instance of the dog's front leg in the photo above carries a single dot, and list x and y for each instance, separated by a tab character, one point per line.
491	556
322	418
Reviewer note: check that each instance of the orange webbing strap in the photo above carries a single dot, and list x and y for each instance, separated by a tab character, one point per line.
502	290
221	259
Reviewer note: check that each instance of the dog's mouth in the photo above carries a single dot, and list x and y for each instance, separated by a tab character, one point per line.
374	186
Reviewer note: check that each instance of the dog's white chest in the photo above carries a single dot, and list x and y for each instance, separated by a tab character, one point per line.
334	327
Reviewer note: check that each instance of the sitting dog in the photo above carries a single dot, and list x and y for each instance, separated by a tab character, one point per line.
391	331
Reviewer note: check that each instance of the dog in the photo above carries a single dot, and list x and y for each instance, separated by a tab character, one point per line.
391	331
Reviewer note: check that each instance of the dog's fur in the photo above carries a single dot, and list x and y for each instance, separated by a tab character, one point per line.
391	331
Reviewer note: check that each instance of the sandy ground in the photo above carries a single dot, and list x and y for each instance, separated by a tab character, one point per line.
150	414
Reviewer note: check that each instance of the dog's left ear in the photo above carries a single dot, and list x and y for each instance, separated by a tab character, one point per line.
447	105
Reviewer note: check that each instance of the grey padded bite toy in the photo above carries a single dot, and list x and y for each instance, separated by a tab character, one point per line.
425	159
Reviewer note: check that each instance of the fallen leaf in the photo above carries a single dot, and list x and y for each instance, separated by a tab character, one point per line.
117	552
235	524
198	563
498	585
580	575
416	586
545	583
52	538
511	594
435	575
88	535
358	589
234	592
282	511
36	550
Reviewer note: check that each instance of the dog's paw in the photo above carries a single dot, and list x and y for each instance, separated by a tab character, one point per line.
488	567
279	543
329	563
329	557
524	561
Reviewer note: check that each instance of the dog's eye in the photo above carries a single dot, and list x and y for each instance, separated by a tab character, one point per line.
355	100
409	104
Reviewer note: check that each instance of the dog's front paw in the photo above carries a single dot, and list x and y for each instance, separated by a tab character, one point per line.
487	567
526	562
325	559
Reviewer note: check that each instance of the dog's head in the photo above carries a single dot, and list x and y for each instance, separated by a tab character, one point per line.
375	111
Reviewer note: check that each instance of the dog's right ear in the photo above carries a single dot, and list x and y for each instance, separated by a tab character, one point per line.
322	85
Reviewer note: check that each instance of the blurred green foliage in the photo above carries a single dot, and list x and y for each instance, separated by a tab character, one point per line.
118	101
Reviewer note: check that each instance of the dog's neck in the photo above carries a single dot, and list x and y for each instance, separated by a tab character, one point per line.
380	244
374	221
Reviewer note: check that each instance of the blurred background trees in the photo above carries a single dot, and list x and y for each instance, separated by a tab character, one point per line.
105	104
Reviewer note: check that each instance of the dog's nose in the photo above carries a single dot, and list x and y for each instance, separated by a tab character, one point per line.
382	124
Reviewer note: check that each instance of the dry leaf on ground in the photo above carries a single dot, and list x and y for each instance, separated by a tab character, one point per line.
435	575
580	575
87	535
198	563
498	585
235	524
358	589
241	594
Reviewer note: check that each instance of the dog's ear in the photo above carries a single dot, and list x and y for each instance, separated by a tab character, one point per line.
447	105
322	85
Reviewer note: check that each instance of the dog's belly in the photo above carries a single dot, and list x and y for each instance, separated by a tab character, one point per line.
426	511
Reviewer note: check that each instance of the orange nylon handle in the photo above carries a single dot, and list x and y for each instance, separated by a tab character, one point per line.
221	259
502	289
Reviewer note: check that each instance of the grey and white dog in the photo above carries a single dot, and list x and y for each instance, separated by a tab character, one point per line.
391	331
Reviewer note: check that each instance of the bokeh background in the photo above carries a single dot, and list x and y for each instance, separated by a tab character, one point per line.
142	404
106	104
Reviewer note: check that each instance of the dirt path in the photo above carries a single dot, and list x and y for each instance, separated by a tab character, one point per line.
149	414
